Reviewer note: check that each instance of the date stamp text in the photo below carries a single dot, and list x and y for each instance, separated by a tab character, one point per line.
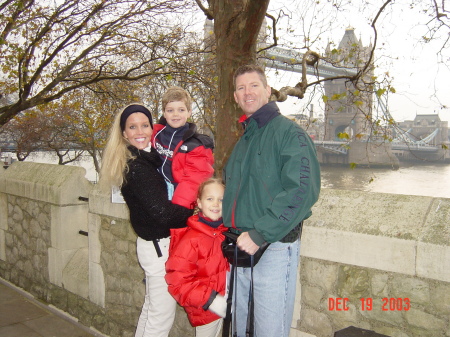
367	304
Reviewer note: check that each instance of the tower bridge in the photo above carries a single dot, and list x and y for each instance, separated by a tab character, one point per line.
425	134
421	138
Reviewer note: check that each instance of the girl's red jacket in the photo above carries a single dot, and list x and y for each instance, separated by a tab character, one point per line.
196	268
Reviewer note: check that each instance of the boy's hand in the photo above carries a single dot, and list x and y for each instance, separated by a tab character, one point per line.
219	306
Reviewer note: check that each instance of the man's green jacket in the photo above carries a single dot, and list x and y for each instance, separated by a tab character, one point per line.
272	177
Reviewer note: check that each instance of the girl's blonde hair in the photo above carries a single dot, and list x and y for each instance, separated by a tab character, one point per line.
206	183
115	156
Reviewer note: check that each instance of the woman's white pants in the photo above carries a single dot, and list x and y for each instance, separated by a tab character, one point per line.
212	329
158	311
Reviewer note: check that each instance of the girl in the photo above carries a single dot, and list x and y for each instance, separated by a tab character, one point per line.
129	163
196	269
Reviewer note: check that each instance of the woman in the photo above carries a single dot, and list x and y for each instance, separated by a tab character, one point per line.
130	163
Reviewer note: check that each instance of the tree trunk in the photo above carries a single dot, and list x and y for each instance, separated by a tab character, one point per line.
236	27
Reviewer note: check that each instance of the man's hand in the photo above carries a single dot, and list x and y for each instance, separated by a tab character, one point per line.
245	243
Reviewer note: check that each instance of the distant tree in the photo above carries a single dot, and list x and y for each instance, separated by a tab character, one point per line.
57	136
40	131
79	122
25	131
198	76
92	113
194	71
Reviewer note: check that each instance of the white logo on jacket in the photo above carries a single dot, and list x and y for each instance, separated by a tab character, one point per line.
163	151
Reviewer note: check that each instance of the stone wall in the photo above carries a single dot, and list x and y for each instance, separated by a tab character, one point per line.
40	245
359	251
387	255
94	278
27	242
116	279
388	303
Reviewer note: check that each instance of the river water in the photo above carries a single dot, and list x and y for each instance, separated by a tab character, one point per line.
411	179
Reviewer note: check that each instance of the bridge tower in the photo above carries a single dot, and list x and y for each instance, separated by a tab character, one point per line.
348	110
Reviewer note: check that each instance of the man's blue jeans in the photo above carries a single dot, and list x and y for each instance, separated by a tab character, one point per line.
274	281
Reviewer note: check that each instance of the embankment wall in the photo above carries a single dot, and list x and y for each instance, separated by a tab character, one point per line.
375	261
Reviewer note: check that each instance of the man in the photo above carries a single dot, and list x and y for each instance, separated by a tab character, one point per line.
272	181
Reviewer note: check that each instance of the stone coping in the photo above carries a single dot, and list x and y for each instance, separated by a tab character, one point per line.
100	203
55	184
383	253
408	217
399	233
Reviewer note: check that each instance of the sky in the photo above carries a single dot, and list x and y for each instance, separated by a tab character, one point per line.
418	73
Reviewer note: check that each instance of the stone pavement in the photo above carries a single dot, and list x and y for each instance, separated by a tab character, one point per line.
21	315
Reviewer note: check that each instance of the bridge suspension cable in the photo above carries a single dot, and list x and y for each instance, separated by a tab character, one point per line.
402	135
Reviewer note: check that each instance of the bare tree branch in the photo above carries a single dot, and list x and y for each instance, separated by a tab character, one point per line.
209	14
373	25
17	12
274	33
52	49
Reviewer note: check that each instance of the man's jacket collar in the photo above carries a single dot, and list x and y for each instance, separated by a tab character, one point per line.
262	116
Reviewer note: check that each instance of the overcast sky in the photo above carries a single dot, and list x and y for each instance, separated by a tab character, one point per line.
418	73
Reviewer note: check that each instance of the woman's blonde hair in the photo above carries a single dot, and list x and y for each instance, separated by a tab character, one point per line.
115	156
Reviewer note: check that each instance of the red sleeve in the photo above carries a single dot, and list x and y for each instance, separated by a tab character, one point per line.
189	171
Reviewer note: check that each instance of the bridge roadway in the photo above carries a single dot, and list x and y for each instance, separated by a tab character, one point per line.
415	147
333	146
290	60
342	147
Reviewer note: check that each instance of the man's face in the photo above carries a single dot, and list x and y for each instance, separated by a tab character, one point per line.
250	93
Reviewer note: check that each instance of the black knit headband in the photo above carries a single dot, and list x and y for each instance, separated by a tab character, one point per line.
132	109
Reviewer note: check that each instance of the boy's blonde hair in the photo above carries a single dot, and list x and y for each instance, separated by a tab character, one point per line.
176	94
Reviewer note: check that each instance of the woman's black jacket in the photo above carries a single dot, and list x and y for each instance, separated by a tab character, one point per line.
145	192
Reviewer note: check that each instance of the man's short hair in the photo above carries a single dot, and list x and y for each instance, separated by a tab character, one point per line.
176	94
250	68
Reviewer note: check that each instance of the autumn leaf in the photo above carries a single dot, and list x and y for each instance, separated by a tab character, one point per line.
380	92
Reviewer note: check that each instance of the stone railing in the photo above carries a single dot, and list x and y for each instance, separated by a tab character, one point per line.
371	260
376	261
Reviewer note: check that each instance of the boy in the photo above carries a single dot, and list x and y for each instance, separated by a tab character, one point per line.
187	155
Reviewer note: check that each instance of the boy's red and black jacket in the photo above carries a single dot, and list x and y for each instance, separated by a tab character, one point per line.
191	162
